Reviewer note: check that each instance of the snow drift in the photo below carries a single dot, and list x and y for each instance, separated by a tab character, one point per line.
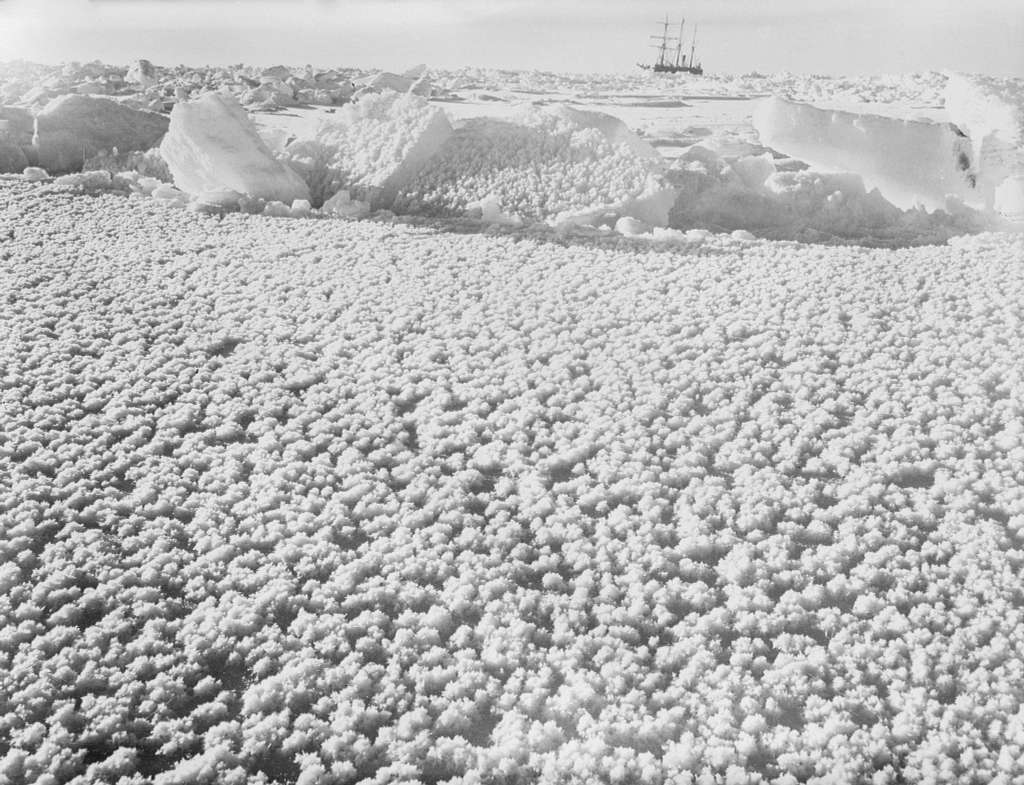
213	148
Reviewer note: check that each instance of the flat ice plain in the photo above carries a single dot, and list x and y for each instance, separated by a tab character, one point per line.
400	500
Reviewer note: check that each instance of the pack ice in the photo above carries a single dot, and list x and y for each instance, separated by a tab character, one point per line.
991	111
212	147
911	162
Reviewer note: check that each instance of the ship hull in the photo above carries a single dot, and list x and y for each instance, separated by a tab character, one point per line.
673	69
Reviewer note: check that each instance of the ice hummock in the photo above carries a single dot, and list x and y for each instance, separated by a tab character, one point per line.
911	162
212	147
372	148
553	164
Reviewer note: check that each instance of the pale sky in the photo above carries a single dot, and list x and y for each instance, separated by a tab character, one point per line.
735	36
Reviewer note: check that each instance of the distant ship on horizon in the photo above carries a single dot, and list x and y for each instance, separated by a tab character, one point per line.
679	64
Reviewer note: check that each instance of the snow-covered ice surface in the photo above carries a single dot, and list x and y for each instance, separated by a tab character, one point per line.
364	501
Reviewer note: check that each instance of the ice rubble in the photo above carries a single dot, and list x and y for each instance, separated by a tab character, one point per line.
27	83
565	166
372	148
558	164
142	73
145	85
214	152
912	162
416	82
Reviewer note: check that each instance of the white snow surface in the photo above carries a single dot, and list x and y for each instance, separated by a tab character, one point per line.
212	146
361	501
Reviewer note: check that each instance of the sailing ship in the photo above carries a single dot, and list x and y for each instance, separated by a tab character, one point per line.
677	64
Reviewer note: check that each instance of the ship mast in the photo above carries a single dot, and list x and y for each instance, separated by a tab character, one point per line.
679	45
665	43
664	40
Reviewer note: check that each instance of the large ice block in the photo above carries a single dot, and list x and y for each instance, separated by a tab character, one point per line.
213	146
911	162
73	128
991	112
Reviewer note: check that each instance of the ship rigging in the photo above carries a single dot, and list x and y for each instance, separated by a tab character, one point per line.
674	62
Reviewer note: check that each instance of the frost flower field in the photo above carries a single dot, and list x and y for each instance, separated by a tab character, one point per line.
364	502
